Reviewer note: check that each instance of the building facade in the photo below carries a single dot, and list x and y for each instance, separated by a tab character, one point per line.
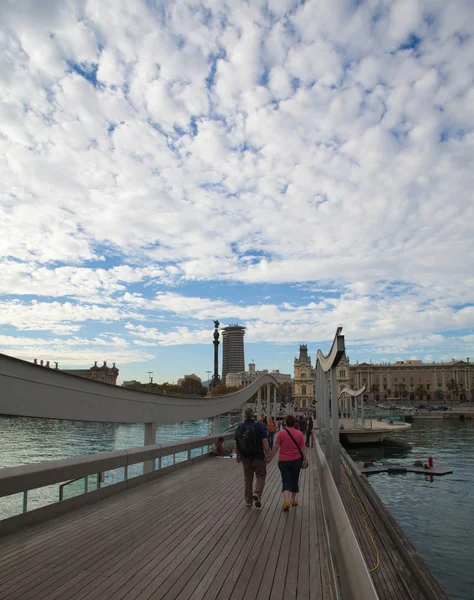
244	378
104	373
303	380
412	380
233	358
191	376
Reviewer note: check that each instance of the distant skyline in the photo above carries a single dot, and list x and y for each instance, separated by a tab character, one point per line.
288	166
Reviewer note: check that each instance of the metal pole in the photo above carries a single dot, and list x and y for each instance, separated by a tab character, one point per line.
267	406
150	440
362	409
217	425
327	416
319	397
274	402
259	402
336	451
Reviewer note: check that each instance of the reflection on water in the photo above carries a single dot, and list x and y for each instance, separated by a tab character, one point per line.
436	513
25	440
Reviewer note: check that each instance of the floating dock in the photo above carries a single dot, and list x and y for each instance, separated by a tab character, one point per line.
399	468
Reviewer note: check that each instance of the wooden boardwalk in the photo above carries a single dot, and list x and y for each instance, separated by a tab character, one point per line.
187	535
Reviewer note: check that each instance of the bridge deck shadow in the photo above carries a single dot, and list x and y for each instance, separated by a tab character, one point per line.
187	535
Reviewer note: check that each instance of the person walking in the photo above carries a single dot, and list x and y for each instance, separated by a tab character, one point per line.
251	447
290	444
301	424
309	433
271	431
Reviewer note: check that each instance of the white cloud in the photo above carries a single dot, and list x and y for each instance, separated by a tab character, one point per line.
327	143
60	318
71	351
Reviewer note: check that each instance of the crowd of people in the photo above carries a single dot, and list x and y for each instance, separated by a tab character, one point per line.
257	441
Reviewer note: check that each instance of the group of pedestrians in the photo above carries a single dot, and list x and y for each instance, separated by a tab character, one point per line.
255	445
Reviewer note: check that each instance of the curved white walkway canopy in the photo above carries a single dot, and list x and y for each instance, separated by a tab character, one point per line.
31	390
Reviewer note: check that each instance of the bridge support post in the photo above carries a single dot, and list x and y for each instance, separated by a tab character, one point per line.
327	415
274	403
335	450
150	440
259	402
269	399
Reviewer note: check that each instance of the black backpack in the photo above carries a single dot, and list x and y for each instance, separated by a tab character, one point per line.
246	437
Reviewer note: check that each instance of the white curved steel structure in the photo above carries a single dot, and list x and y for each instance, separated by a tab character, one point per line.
335	354
353	393
31	390
329	420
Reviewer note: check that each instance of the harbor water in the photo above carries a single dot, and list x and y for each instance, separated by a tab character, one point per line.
25	441
437	513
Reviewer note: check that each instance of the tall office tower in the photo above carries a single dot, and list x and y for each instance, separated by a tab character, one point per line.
233	360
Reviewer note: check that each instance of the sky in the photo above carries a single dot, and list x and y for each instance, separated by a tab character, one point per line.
288	166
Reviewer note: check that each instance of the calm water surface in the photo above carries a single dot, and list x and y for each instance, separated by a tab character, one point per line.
24	440
437	515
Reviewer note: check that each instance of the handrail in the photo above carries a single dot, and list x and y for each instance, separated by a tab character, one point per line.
354	576
14	480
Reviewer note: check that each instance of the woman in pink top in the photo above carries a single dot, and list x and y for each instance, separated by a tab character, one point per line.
290	460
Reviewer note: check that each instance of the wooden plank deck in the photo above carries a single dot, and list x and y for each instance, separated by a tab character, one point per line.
187	535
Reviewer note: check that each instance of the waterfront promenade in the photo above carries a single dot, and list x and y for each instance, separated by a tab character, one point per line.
186	535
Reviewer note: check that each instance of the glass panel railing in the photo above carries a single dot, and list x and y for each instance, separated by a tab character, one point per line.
76	487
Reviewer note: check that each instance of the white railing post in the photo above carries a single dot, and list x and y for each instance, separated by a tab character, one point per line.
259	402
335	450
217	425
327	416
150	440
268	405
274	402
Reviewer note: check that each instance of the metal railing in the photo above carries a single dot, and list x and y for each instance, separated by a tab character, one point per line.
354	577
100	479
22	479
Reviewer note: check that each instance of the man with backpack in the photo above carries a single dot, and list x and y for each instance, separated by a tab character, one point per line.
251	447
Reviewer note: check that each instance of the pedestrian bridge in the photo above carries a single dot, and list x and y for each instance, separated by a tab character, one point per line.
187	534
180	528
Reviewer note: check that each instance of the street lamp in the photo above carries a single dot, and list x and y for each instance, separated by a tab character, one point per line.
150	376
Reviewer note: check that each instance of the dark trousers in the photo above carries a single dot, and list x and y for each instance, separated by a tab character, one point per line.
271	437
308	438
251	466
290	474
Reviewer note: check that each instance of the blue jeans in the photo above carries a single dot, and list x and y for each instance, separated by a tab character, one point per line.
290	474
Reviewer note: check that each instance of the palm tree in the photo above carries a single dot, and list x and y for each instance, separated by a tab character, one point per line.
420	391
453	388
374	389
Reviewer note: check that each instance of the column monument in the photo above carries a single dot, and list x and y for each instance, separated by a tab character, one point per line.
216	380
